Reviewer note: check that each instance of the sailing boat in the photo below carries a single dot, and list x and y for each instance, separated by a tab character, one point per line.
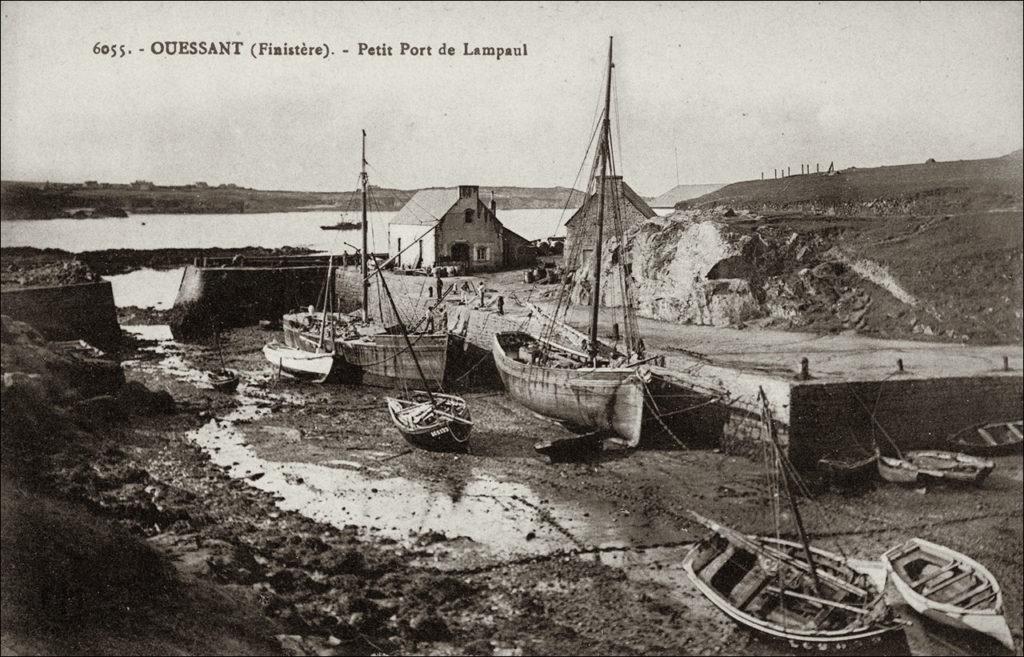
786	589
584	384
365	350
224	379
390	355
432	420
308	351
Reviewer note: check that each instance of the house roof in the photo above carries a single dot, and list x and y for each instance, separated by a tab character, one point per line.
628	195
426	207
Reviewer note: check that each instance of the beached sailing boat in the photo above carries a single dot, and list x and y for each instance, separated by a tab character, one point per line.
308	351
391	355
786	589
428	419
584	384
367	350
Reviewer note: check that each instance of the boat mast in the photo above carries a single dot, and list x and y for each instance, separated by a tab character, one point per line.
405	334
770	426
364	180
603	154
327	296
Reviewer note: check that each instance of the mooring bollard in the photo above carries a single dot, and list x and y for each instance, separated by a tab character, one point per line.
615	331
899	365
805	369
501	305
1006	363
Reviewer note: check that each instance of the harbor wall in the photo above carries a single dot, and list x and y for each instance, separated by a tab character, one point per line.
83	311
212	297
831	419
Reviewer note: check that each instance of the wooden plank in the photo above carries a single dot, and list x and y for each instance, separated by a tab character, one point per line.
970	594
932	576
981	601
987	436
941	585
819	601
1012	426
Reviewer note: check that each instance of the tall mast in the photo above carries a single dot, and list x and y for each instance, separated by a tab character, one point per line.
766	414
364	180
603	154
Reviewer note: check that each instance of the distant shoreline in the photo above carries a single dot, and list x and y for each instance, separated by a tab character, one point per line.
44	201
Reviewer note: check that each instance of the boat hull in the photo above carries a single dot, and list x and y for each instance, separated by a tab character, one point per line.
990	439
920	467
589	398
988	620
850	472
439	436
224	381
300	364
832	639
385	359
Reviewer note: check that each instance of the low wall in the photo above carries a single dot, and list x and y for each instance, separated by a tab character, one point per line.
213	297
84	311
913	412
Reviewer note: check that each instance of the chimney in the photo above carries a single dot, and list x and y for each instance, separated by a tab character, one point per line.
469	191
494	205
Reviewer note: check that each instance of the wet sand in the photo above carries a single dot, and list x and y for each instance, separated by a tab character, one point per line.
533	557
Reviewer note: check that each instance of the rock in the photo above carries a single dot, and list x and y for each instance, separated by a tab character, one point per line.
140	400
428	626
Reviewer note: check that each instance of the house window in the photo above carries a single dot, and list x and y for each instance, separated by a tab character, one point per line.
483	253
469	216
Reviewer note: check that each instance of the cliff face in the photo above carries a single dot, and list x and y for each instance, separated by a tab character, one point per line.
718	268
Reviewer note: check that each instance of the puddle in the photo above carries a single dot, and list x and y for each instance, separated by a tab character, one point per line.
505	518
146	288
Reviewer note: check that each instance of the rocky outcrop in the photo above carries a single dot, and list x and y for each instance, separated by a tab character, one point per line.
719	268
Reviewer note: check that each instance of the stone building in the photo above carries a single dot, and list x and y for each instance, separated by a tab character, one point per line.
468	233
581	228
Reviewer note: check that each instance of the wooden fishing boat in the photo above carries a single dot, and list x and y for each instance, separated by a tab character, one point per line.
299	363
850	470
925	466
989	439
583	385
766	584
949	587
223	380
812	598
384	359
436	422
589	397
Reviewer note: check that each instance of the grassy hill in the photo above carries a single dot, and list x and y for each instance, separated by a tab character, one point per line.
929	188
28	200
681	193
933	249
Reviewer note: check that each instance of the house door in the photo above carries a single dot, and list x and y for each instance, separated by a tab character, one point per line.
460	252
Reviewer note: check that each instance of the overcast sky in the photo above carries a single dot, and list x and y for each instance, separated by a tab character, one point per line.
734	89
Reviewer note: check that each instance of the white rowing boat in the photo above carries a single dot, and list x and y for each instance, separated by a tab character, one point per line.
949	587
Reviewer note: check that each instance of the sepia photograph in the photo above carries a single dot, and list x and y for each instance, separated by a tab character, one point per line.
512	328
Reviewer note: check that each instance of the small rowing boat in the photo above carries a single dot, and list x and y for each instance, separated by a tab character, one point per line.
949	587
850	470
770	586
436	422
932	465
989	439
223	380
299	363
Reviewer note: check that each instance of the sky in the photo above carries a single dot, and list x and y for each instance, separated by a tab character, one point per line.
703	92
